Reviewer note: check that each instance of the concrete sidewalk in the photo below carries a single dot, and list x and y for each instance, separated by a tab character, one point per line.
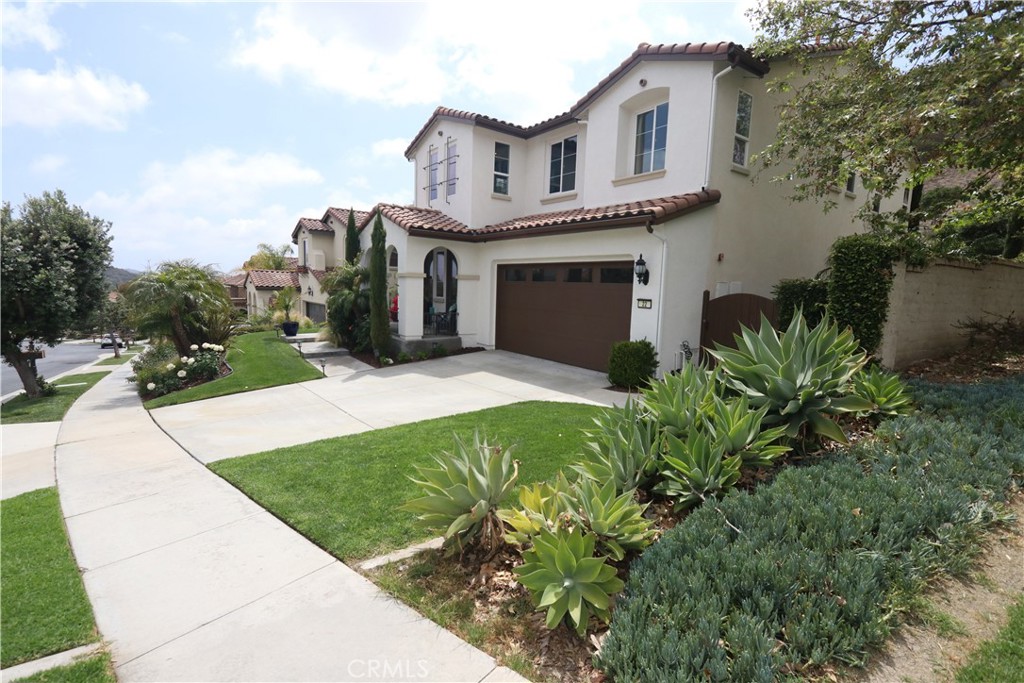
348	401
192	581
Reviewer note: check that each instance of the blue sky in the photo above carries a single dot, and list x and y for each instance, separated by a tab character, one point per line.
202	129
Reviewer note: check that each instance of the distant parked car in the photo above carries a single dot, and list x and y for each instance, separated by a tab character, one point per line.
107	344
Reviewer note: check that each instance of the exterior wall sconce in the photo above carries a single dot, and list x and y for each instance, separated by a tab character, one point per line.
643	276
309	291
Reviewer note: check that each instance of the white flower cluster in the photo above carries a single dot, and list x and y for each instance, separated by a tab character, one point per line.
212	347
151	386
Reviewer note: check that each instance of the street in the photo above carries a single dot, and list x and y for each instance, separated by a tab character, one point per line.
61	358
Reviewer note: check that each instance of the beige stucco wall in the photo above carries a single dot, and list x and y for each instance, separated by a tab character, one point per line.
926	304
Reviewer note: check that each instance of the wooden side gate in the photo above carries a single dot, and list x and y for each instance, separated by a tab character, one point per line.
722	316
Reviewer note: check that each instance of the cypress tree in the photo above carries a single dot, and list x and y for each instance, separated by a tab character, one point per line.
380	325
351	239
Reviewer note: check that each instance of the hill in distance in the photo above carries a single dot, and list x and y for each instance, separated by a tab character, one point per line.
118	276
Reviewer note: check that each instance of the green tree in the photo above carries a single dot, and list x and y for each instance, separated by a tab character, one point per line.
911	90
351	239
380	324
285	301
113	319
348	305
179	301
54	256
269	257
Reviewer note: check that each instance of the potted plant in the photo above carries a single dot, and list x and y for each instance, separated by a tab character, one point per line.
284	302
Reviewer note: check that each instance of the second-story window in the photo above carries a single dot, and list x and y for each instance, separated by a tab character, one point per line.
501	154
432	175
851	182
563	166
305	252
741	141
651	138
450	175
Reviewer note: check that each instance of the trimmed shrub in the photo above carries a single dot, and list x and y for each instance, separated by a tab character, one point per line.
810	569
806	294
858	286
632	364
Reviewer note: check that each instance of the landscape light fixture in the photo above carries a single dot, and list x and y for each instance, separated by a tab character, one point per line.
300	348
323	366
643	276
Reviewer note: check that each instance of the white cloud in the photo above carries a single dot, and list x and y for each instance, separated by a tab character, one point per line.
442	52
48	163
211	206
65	96
30	23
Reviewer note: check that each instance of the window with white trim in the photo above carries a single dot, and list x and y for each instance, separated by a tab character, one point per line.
562	177
432	164
501	166
651	137
741	139
450	169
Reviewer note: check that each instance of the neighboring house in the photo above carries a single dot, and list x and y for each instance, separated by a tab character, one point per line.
321	245
262	286
527	238
235	285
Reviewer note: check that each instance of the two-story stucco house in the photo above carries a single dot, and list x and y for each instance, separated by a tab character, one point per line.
529	238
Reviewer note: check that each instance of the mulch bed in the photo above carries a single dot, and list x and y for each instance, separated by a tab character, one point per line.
368	357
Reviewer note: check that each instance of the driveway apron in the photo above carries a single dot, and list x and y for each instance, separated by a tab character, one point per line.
192	581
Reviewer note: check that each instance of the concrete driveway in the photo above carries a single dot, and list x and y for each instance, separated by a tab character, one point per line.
360	401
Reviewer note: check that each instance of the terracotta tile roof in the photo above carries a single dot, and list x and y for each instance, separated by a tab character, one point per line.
274	279
291	262
433	223
312	225
341	215
235	280
318	274
734	53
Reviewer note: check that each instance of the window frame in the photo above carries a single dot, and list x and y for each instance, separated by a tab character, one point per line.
659	123
433	162
738	136
502	175
451	170
562	156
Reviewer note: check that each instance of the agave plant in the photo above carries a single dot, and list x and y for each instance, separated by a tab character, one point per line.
736	427
563	575
678	400
623	448
617	520
462	493
541	507
803	376
696	469
884	391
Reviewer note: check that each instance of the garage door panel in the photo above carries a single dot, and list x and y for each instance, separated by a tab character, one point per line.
566	321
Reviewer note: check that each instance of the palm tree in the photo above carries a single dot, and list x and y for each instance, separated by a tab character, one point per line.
269	257
176	301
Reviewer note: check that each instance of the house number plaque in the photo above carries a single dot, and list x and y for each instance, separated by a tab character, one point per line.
643	303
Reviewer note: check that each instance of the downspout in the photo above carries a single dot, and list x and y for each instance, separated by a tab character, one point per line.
711	123
661	289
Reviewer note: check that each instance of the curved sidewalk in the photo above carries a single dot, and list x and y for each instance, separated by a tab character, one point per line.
192	581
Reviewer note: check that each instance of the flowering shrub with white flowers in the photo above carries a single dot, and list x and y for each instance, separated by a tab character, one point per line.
160	370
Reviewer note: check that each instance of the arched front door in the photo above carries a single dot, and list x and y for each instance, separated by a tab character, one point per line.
440	292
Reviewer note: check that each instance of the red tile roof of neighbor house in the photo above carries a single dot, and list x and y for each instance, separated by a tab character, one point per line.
311	225
341	215
274	279
237	280
734	53
433	223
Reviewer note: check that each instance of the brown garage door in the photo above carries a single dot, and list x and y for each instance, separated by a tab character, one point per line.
567	312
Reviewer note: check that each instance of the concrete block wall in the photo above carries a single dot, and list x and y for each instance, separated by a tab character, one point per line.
926	304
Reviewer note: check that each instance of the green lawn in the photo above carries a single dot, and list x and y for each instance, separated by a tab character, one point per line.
22	409
344	493
1001	659
125	357
44	608
98	669
259	360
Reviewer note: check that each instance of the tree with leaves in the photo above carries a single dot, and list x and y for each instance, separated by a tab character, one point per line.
180	300
54	256
113	319
908	91
380	324
351	239
269	257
